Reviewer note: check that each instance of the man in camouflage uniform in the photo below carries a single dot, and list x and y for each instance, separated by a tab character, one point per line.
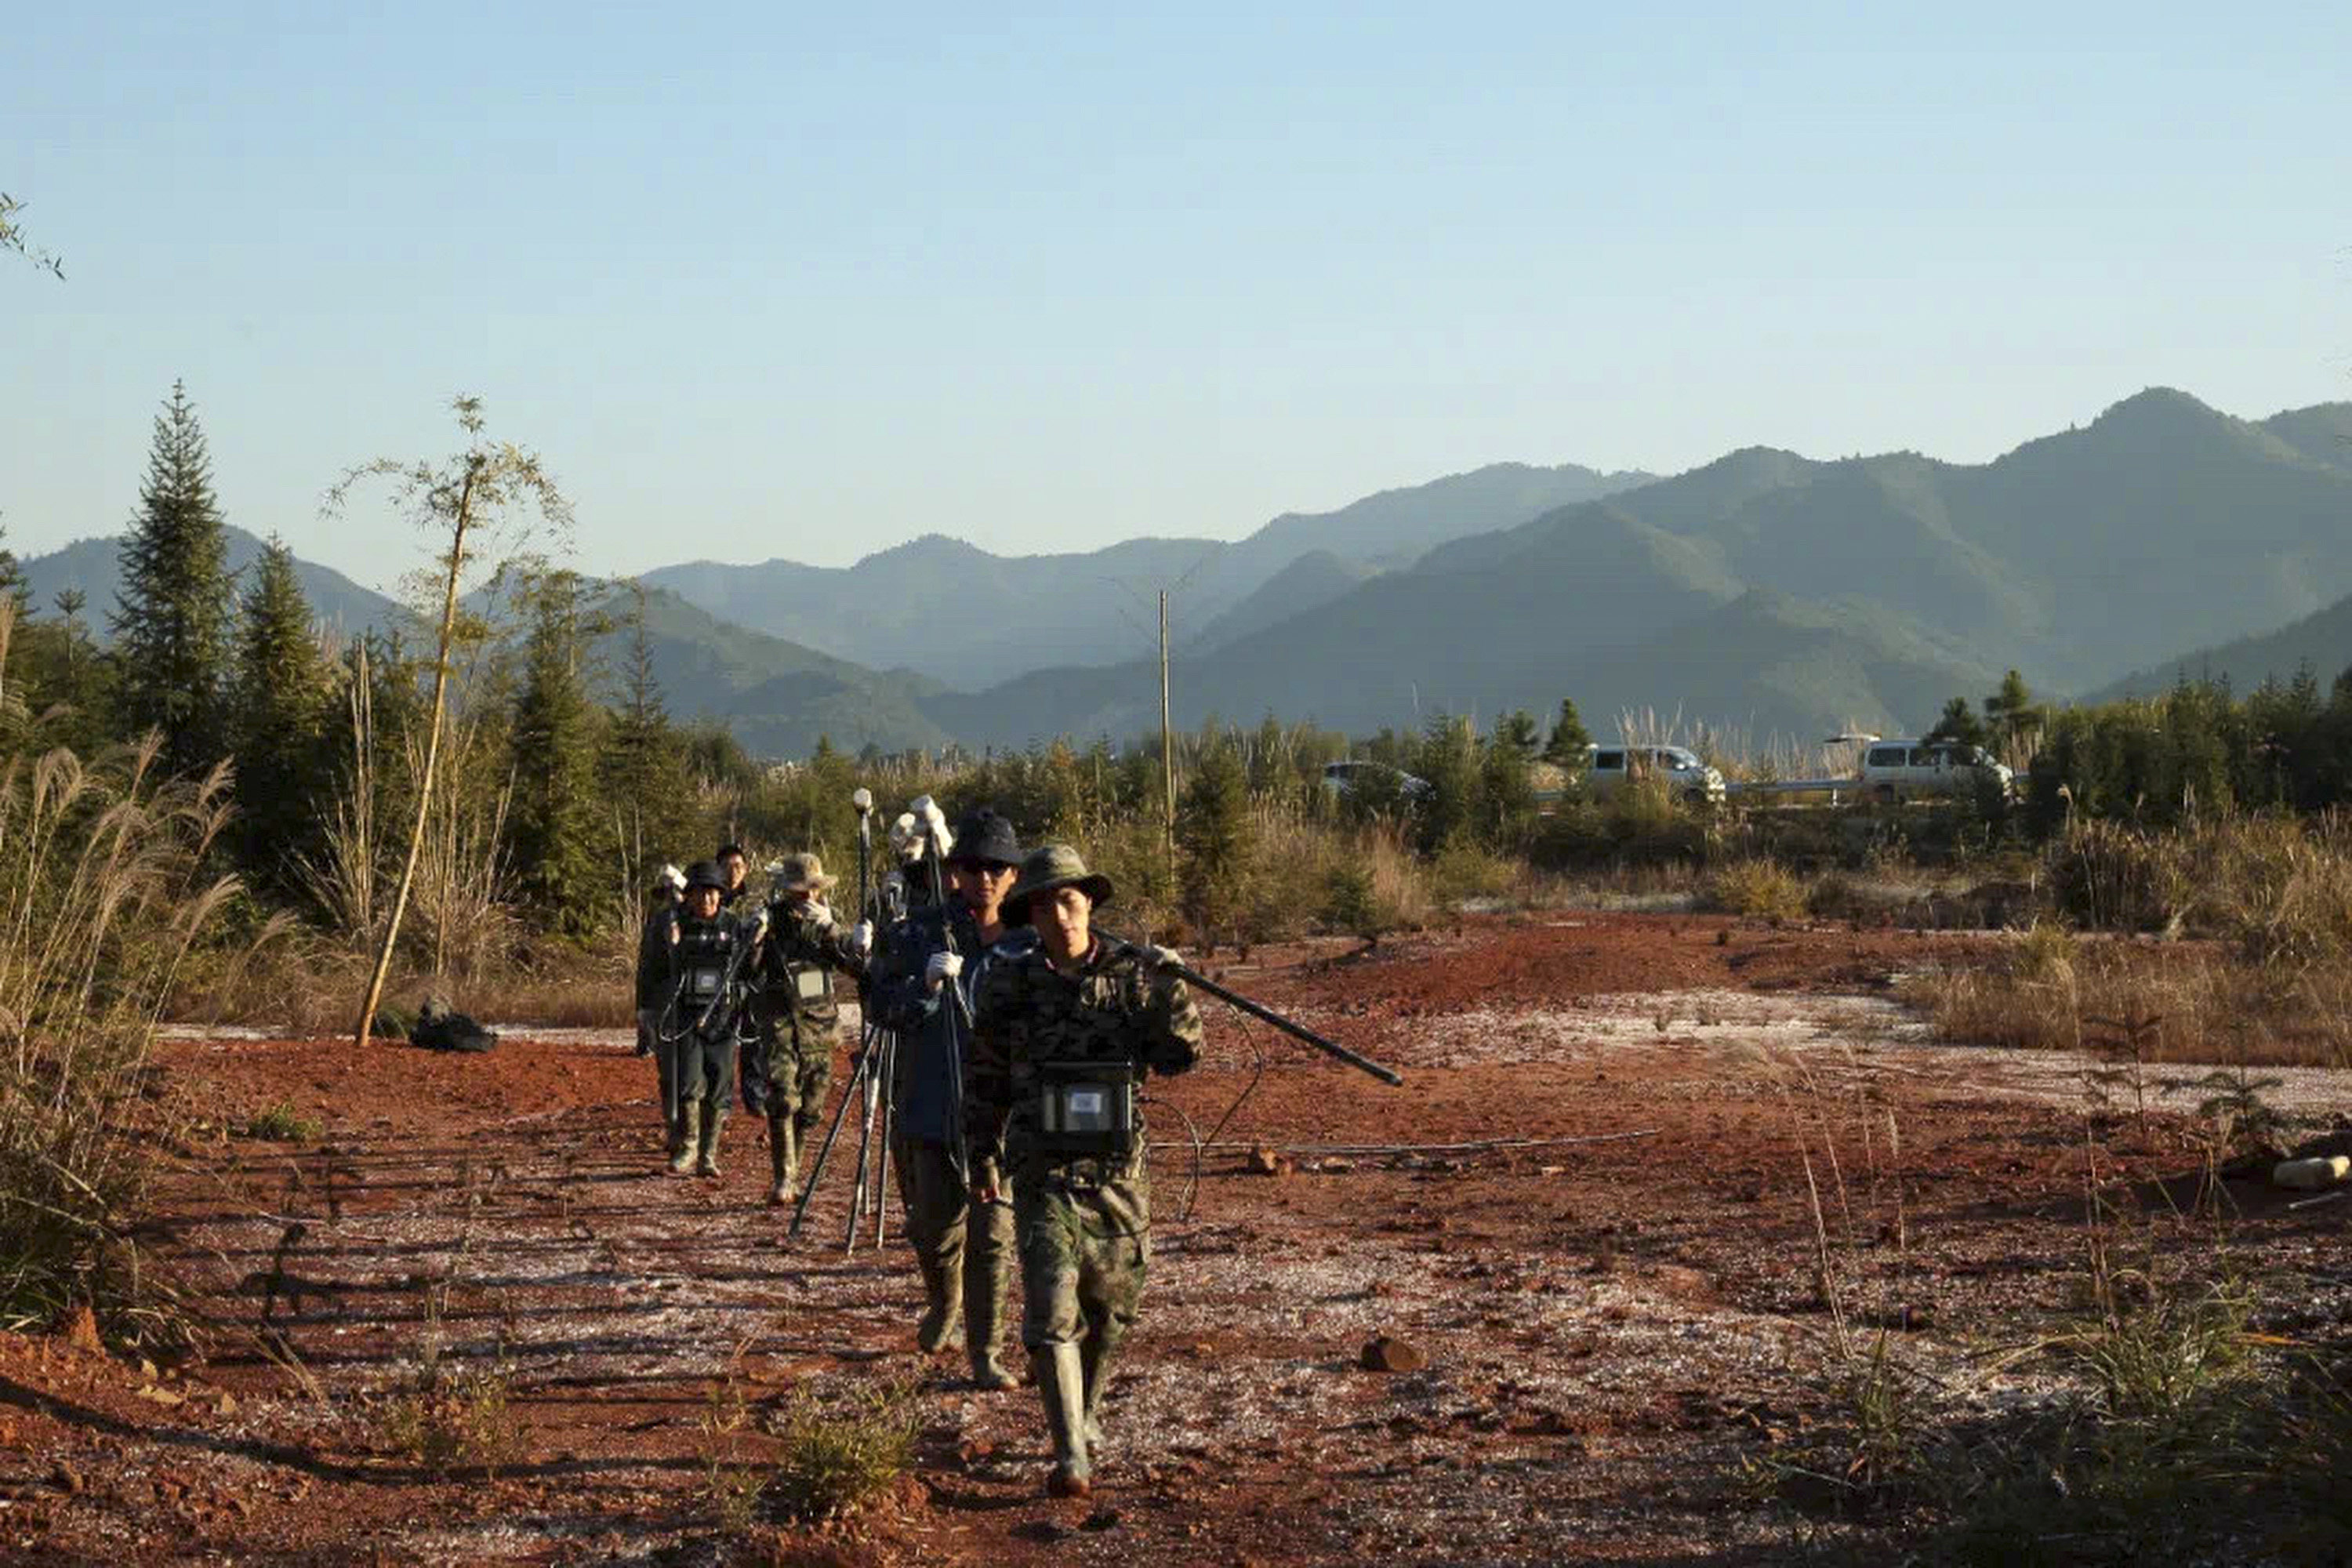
798	1017
934	962
653	991
1062	1036
706	958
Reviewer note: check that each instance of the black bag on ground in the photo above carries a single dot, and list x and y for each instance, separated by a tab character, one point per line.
438	1028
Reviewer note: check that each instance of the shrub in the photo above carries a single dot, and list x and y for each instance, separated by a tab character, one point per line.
1758	889
466	1419
836	1460
1465	870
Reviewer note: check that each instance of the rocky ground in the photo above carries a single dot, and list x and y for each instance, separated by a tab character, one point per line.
1592	1229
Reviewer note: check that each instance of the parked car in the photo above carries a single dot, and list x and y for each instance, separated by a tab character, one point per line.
1918	769
1345	778
1608	769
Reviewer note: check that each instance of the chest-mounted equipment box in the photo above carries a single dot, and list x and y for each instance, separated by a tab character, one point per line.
1086	1109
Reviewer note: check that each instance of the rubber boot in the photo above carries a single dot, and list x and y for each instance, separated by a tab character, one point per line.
783	1161
1094	1359
683	1137
944	1316
714	1120
1062	1384
983	1334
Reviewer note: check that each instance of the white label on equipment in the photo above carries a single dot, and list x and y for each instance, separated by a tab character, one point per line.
1087	1102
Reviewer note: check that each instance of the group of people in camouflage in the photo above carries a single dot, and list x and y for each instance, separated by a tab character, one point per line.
1022	1035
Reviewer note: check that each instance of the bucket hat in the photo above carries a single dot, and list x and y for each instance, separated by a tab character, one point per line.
985	836
1049	869
800	873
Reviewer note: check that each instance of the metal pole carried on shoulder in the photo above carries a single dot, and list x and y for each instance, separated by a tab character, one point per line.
1259	1010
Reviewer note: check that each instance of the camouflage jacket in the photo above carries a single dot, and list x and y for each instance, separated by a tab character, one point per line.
794	970
1112	1010
922	1084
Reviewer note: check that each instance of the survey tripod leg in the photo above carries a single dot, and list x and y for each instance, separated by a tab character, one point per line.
824	1151
884	1042
882	1163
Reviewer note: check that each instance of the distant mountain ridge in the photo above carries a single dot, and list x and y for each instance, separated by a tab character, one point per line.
1864	588
960	614
2321	642
1764	590
94	568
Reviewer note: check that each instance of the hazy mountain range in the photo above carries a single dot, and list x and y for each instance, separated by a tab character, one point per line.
2321	643
961	615
93	566
1765	591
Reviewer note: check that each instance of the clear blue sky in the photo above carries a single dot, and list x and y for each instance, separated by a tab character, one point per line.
762	280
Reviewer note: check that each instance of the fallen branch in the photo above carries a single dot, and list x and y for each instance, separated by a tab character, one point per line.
1484	1146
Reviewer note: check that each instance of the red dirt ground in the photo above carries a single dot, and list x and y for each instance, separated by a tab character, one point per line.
1608	1326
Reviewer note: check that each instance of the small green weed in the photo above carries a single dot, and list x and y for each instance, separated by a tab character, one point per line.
466	1419
282	1123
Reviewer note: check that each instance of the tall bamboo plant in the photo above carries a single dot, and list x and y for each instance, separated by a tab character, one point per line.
480	503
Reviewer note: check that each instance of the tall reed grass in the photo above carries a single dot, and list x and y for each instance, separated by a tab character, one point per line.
103	891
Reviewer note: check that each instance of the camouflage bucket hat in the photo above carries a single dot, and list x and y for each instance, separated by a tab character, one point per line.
1049	869
800	873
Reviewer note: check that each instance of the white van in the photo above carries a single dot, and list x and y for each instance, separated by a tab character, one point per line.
1918	769
1608	769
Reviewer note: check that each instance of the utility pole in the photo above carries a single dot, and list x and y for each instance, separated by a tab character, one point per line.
1167	737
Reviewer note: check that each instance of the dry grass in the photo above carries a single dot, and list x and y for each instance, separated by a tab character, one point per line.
308	984
103	892
2050	990
1756	889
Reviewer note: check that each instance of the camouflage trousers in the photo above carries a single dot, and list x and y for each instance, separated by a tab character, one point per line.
786	1082
1084	1252
966	1247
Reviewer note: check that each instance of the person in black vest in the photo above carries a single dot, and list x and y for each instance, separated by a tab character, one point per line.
706	1014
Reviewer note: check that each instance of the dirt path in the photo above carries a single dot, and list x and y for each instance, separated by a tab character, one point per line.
1608	1326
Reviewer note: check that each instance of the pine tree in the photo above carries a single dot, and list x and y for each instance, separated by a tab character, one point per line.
645	778
1448	761
2011	709
278	721
170	621
554	740
1506	791
1212	831
11	579
1959	724
1569	737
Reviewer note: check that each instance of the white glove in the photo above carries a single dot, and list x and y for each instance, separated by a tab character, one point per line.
943	967
907	837
1159	957
861	938
820	915
932	824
